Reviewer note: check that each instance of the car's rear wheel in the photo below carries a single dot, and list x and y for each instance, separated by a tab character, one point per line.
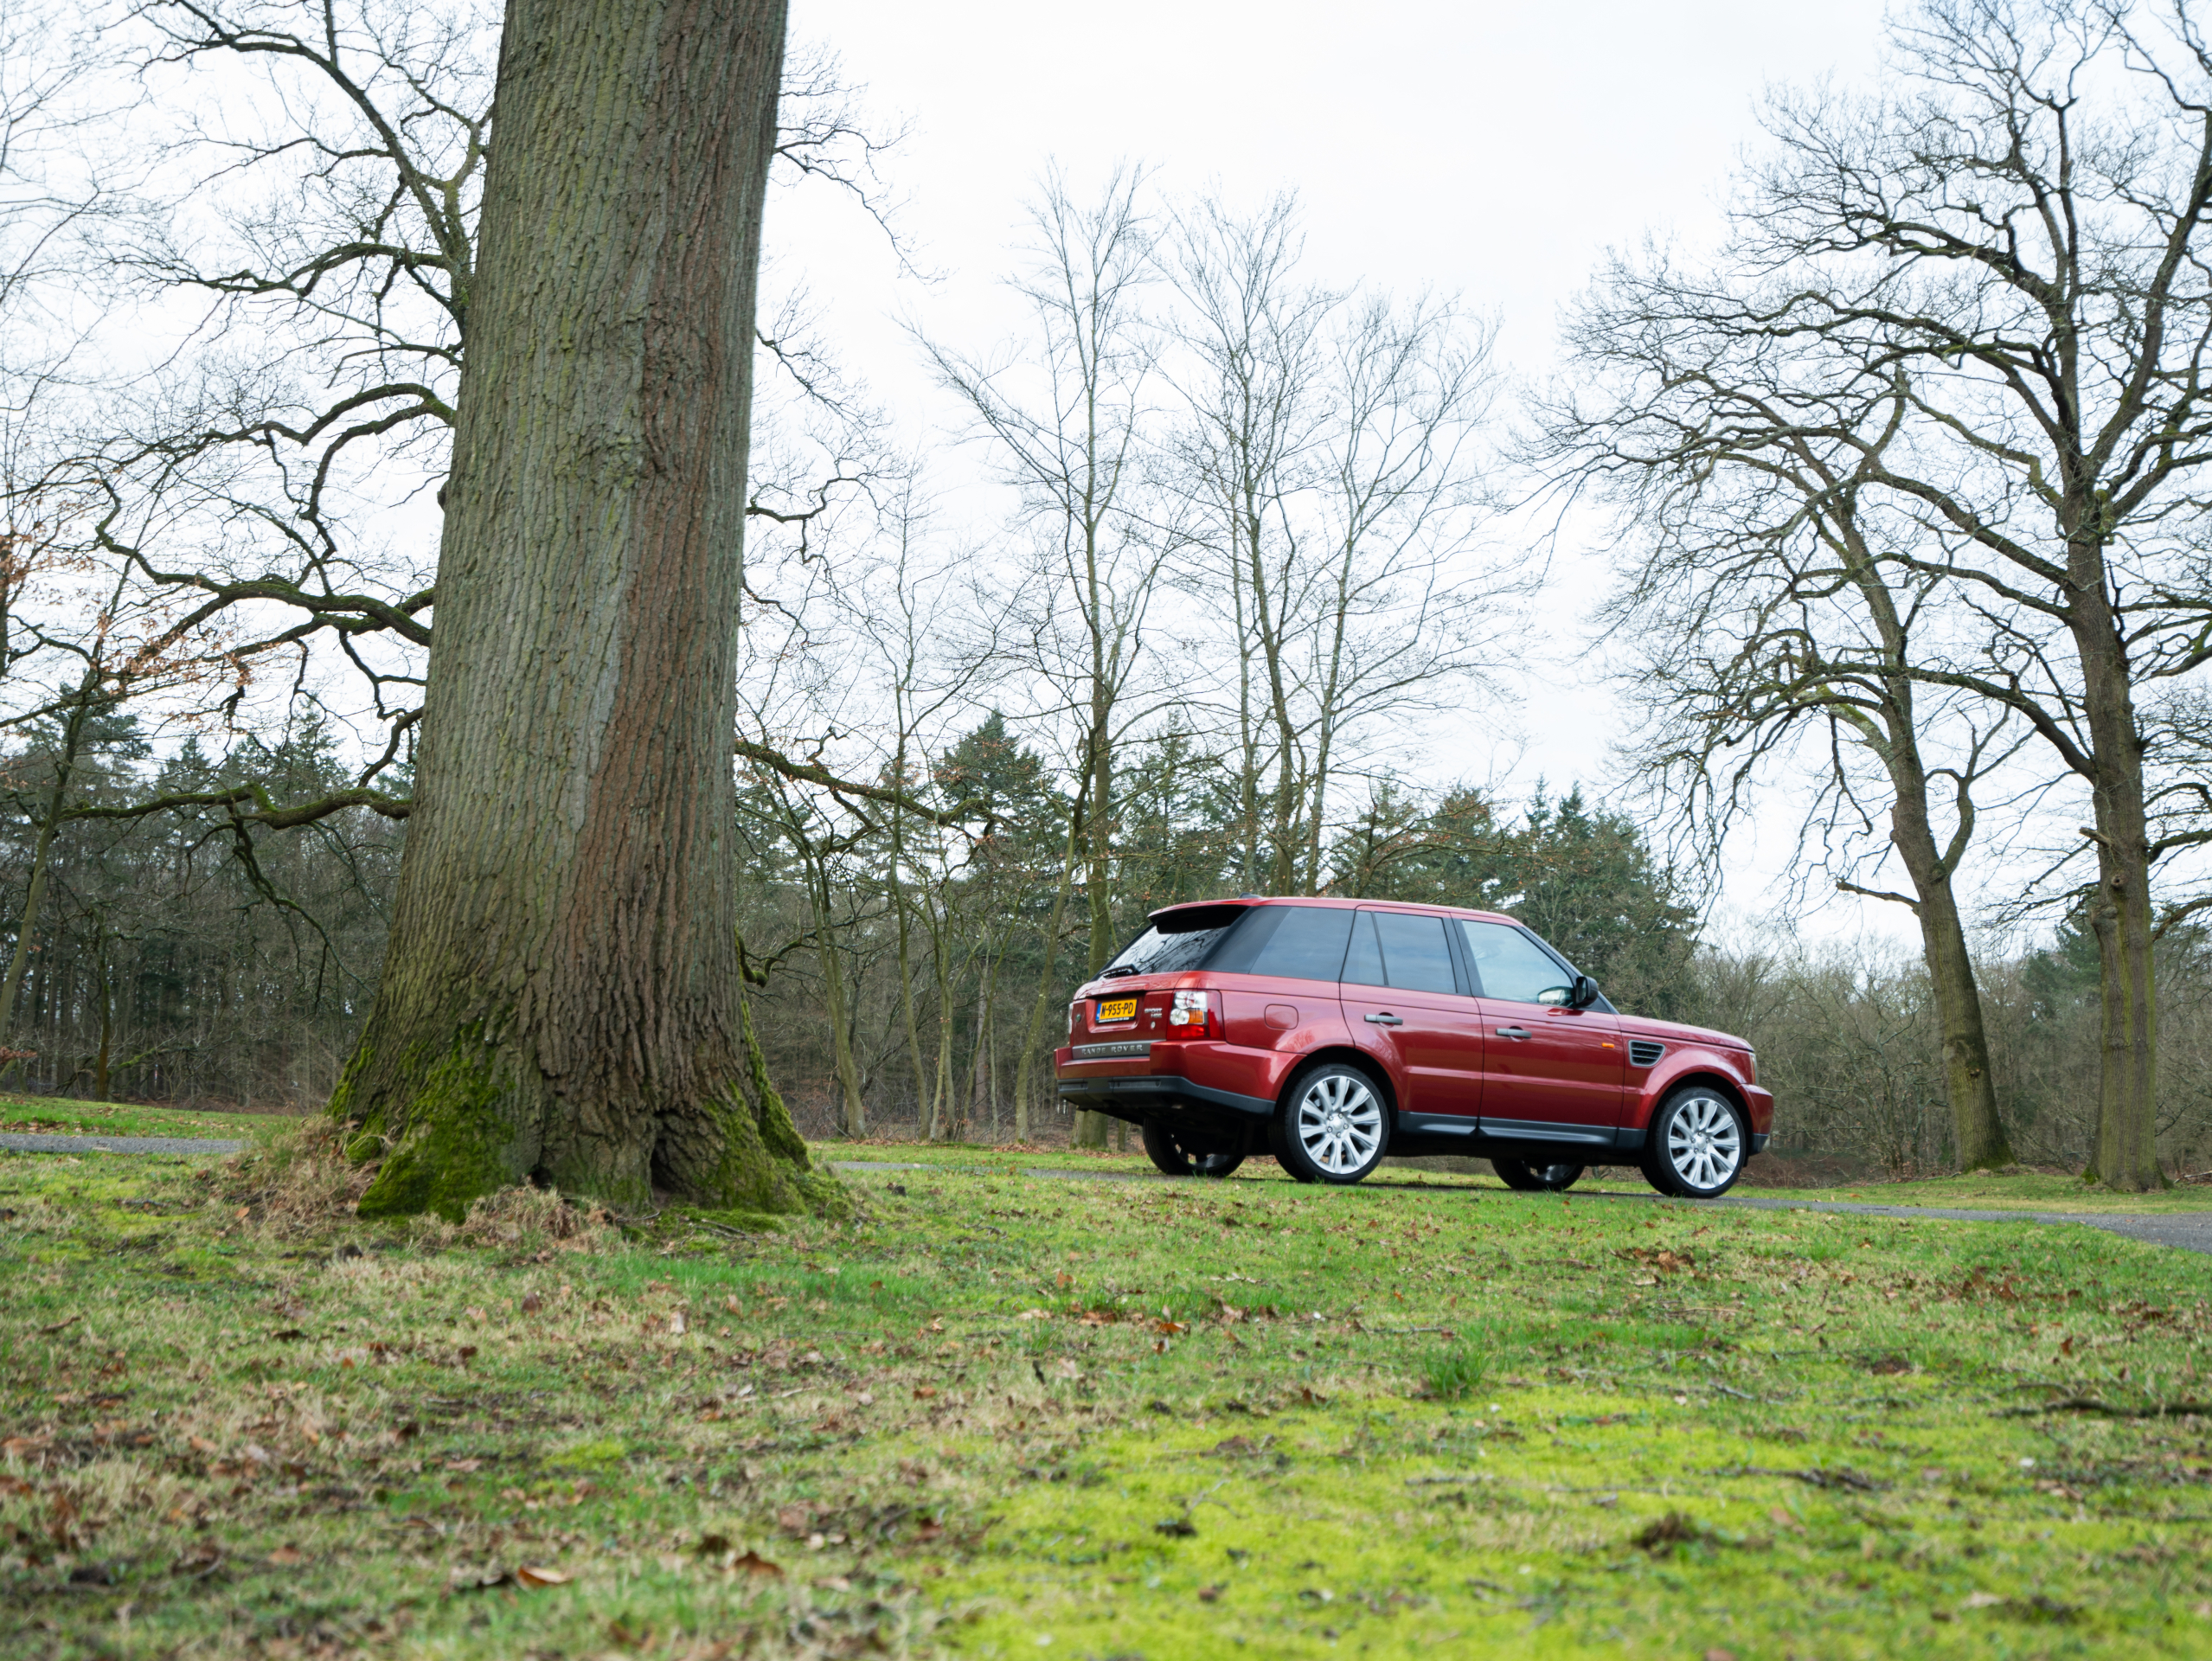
1696	1146
1183	1156
1333	1126
1537	1179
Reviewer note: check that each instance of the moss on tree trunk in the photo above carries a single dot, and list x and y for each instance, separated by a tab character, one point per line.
560	1000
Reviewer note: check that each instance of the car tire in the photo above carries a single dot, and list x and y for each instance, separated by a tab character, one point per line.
1697	1145
1537	1179
1177	1158
1333	1126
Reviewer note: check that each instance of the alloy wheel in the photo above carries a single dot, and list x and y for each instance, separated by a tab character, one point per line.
1339	1124
1705	1142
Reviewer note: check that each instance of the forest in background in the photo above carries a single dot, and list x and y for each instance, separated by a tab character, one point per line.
169	966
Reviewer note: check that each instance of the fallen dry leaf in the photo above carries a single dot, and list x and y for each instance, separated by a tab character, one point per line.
285	1556
753	1563
1034	1315
923	1391
530	1575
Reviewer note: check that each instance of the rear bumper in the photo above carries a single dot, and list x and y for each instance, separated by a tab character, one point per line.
1134	1079
1130	1099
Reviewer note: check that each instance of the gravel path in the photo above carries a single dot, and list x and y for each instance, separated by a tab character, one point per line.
2190	1231
19	1144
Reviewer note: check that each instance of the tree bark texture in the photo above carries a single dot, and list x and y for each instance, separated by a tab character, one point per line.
2121	910
560	1000
1977	1132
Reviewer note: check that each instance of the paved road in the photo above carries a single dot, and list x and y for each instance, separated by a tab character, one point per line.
21	1144
2190	1231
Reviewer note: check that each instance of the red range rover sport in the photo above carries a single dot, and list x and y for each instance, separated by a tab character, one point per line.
1332	1032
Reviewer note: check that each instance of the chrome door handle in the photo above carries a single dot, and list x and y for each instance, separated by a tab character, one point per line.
1388	1020
1514	1033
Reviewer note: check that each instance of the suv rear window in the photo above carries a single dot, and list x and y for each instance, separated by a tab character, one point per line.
1177	940
1294	942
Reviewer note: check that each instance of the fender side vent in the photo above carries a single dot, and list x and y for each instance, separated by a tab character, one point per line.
1645	1052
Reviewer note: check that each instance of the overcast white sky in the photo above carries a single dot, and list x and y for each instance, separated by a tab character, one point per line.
1482	148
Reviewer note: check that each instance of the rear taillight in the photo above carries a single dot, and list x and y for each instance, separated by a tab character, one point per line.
1075	1020
1195	1015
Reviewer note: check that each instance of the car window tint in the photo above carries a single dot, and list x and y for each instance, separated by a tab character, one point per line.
1293	942
1414	952
1508	963
1363	963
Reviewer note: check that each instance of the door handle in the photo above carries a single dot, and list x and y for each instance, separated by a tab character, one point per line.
1514	1033
1388	1020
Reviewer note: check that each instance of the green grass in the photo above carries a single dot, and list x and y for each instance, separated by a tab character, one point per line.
52	1116
2021	1191
1003	1415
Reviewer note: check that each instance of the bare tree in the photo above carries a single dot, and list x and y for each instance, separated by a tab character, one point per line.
1327	450
1766	627
2010	246
1065	415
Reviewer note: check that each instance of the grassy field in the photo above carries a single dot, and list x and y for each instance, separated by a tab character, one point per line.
2018	1190
51	1116
1000	1414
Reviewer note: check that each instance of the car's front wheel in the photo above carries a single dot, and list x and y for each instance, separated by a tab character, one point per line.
1696	1144
1180	1156
1536	1179
1333	1126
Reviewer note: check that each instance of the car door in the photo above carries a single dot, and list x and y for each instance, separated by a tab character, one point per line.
1402	999
1550	1073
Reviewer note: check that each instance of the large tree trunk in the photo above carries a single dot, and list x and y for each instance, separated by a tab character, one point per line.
560	1000
2119	914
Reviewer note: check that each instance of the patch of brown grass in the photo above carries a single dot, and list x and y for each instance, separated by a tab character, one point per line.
297	1183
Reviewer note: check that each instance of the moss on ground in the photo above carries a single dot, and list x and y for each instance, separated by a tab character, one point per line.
996	1414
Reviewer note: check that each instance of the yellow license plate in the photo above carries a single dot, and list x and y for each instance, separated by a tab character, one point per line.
1116	1009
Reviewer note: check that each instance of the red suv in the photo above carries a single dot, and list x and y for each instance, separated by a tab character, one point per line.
1332	1032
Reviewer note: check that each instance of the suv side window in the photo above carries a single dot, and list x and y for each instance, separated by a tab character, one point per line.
1289	942
1509	964
1396	948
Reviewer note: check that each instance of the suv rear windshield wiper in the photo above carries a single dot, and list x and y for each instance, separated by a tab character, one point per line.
1119	970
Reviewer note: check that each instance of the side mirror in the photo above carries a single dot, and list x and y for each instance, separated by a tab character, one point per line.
1583	994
